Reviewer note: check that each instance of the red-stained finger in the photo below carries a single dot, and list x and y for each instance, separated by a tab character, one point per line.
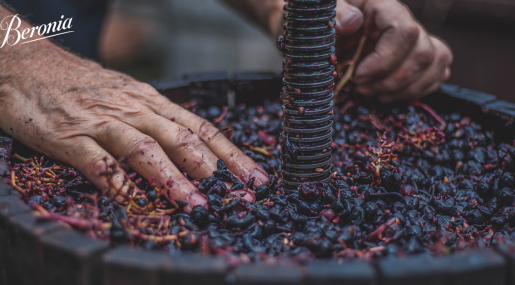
348	19
400	32
181	144
144	155
90	159
237	162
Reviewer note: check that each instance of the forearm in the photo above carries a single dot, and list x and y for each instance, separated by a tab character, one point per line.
265	13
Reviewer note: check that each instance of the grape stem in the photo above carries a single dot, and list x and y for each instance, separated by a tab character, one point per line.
350	69
431	111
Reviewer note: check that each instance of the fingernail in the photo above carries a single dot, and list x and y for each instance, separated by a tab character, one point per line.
247	195
261	177
196	199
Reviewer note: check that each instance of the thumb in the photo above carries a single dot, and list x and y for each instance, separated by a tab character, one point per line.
348	19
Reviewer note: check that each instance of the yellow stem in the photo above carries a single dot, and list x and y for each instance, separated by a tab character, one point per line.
350	70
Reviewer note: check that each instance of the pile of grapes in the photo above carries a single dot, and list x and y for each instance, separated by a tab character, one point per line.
405	180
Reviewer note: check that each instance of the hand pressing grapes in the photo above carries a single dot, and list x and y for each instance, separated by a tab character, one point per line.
401	61
75	111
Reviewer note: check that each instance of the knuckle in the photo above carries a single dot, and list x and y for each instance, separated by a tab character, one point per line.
141	144
446	74
103	127
377	65
100	128
410	31
97	165
117	102
186	138
446	57
443	53
425	57
208	131
147	88
237	155
395	25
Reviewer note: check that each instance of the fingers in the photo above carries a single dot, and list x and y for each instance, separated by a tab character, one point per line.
411	69
399	35
238	163
144	155
435	74
348	19
446	74
182	146
406	62
93	161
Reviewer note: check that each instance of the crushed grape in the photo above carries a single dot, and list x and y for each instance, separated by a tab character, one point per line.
402	183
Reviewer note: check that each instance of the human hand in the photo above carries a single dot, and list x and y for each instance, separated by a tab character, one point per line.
73	110
401	60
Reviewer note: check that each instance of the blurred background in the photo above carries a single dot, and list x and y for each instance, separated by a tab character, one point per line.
151	39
